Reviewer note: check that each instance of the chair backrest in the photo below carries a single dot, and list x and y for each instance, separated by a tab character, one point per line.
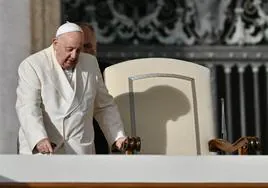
166	102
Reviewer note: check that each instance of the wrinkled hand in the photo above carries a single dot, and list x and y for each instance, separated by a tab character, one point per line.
119	142
44	146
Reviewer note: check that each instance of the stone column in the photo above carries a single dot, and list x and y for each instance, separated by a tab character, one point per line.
26	26
45	19
15	40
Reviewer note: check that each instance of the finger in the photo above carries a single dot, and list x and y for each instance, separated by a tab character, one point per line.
40	148
49	148
53	145
44	149
119	144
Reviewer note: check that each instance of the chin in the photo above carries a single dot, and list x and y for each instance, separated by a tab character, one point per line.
70	65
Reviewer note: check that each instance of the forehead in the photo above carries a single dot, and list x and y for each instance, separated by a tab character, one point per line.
71	38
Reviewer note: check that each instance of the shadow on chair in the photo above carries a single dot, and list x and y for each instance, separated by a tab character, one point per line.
155	122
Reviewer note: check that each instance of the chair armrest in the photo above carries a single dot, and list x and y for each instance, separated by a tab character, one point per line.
243	145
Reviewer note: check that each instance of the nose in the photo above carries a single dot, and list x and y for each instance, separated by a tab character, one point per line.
74	54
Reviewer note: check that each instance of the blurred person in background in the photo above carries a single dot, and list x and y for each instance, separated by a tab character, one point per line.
90	46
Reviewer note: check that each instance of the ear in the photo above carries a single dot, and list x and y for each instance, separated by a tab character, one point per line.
55	42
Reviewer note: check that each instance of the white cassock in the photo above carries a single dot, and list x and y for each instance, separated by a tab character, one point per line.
47	105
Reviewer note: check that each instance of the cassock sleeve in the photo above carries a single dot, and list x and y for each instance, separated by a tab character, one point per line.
106	112
28	104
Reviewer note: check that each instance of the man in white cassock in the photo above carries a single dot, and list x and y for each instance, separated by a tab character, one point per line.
59	92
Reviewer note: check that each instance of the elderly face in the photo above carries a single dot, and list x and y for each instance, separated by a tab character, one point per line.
67	48
90	44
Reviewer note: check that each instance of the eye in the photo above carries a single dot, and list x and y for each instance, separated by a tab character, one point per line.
69	49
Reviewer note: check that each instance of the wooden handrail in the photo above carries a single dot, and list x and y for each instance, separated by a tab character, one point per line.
243	145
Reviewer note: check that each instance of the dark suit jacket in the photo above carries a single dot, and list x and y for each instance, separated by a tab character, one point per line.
101	144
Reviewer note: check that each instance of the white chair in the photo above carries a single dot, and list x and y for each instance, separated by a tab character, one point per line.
165	102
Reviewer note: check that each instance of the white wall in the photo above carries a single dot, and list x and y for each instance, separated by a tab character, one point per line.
15	43
143	169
